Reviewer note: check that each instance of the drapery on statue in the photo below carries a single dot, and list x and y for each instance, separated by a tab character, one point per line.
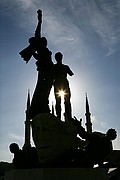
38	49
61	83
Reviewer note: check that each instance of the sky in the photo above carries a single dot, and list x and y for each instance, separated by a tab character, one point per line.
88	34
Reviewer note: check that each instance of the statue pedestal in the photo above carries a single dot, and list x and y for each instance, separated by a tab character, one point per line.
52	136
57	174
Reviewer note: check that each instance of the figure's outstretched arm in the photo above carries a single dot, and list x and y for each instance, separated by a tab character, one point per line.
81	131
38	28
70	71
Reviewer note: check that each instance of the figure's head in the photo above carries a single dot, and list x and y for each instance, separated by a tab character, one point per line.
32	40
44	41
14	148
111	134
58	56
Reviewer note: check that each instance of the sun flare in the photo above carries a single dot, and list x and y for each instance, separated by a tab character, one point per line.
61	93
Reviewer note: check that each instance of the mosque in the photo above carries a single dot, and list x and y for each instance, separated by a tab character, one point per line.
50	135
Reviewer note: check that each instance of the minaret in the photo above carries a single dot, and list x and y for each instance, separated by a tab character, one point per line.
27	124
88	118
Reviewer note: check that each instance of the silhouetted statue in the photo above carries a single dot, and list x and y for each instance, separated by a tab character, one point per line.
61	83
38	49
99	146
26	158
45	68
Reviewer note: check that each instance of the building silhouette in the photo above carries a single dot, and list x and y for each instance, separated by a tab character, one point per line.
88	117
27	124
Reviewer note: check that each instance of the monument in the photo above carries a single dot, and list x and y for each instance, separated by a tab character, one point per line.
56	142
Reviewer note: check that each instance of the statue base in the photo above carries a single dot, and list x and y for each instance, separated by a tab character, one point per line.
52	136
57	174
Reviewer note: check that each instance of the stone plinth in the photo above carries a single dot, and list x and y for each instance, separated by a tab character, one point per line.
52	136
57	174
114	158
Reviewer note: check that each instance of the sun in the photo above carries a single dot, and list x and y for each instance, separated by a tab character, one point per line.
61	93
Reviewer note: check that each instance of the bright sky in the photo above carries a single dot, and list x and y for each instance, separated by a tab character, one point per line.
88	34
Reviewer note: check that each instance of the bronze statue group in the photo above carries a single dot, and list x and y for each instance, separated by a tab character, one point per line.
50	74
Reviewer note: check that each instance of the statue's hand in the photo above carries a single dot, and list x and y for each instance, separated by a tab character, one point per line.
39	15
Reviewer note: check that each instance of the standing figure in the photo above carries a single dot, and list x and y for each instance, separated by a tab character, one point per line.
61	83
38	49
45	67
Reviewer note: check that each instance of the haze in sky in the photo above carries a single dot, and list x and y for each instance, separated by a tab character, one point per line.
88	34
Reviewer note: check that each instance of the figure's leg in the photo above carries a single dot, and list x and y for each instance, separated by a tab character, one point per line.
58	107
67	102
46	88
58	103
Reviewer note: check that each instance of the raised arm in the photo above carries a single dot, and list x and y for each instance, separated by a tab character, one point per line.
38	28
27	53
